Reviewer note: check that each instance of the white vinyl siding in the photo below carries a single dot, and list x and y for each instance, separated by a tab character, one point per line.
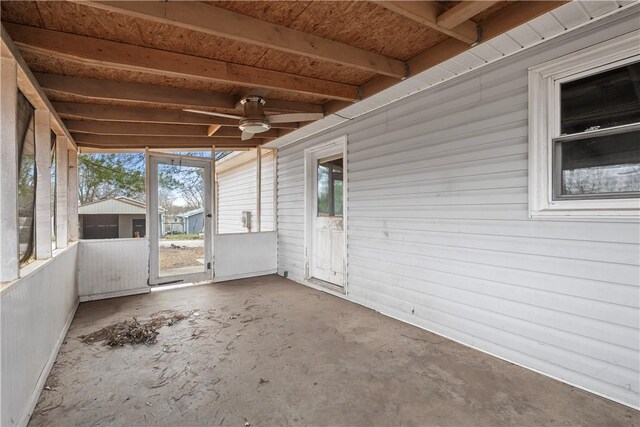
237	193
439	233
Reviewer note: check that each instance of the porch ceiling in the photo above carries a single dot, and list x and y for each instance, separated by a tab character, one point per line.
143	62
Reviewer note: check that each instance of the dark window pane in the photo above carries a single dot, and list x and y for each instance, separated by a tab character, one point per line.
26	178
323	188
606	164
337	187
601	101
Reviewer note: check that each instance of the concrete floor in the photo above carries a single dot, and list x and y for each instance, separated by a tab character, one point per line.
327	362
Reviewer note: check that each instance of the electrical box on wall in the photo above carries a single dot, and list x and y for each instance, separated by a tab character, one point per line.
246	219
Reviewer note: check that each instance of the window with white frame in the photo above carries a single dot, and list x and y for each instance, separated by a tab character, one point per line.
585	132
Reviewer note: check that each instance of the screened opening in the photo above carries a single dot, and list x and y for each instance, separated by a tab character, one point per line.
26	179
111	192
330	187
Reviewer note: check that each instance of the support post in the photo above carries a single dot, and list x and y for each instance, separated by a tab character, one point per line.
258	187
214	193
72	196
43	184
275	189
9	262
62	214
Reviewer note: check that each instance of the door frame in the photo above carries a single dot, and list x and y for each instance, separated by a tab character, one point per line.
153	227
334	147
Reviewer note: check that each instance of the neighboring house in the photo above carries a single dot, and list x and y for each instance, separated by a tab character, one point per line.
172	224
113	218
193	221
236	192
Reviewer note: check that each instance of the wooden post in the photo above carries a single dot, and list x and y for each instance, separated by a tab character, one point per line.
43	186
214	197
258	187
72	196
275	189
9	262
62	215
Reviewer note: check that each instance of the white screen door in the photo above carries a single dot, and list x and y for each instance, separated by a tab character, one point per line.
180	219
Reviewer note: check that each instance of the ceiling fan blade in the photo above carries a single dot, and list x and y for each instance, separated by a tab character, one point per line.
295	117
210	113
246	136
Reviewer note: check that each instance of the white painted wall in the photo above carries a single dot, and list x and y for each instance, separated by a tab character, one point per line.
36	311
237	193
439	233
244	255
110	268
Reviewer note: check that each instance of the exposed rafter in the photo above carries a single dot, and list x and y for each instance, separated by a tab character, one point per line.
208	19
427	12
155	129
155	95
119	113
124	56
461	12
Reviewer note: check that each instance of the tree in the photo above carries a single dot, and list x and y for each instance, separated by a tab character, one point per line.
110	175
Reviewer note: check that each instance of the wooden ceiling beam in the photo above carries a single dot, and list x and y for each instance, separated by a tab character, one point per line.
93	150
220	22
498	23
156	95
133	92
426	13
118	113
124	56
111	141
462	12
155	129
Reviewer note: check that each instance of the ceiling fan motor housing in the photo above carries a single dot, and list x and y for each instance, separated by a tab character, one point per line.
254	121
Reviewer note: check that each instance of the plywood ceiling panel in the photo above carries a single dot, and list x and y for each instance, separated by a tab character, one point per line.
361	24
367	26
281	61
23	12
275	12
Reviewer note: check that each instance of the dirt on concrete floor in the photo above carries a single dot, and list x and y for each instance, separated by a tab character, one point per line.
267	351
180	257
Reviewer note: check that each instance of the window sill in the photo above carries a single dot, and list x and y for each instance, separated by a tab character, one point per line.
623	215
30	269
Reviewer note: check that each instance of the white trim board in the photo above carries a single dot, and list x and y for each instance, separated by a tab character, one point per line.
544	121
107	295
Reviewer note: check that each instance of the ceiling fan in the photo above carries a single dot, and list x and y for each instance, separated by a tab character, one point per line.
254	121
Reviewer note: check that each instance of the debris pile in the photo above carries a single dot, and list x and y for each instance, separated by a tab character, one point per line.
132	331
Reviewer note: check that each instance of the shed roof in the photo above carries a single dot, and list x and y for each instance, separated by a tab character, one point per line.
191	213
115	205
